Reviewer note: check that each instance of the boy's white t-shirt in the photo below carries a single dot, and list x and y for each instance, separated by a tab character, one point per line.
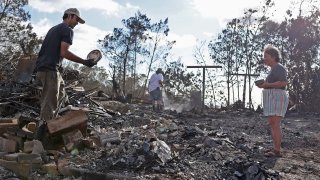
154	81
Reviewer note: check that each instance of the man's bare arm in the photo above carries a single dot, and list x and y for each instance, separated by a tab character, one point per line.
161	83
65	53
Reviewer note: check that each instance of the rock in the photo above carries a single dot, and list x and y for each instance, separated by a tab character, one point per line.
51	169
37	147
7	145
162	150
210	142
116	106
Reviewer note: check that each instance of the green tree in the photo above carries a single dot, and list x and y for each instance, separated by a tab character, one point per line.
120	45
199	53
179	82
298	40
238	49
157	47
90	78
16	36
302	58
137	26
139	39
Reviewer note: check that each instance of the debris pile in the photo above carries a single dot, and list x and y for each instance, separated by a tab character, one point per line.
97	138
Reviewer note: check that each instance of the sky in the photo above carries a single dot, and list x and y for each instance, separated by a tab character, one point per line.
189	20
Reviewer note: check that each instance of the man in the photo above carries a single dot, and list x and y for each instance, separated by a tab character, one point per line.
54	49
155	84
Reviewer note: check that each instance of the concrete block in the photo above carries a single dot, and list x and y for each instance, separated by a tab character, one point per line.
37	147
28	146
29	158
34	147
7	145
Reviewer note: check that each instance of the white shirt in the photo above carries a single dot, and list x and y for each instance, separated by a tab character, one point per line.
154	81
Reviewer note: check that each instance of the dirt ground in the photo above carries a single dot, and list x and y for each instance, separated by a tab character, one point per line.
212	144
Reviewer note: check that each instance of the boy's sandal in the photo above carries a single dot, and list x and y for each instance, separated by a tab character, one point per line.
273	153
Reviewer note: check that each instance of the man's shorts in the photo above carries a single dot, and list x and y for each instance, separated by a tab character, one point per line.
156	94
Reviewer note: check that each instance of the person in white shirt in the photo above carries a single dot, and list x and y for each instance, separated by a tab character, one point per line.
155	85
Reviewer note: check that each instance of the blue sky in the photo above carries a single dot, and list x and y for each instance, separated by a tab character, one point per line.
189	20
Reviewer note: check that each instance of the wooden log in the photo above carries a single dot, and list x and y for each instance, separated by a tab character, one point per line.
7	122
69	120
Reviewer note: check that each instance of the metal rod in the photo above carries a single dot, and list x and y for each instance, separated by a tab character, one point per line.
234	74
204	66
203	85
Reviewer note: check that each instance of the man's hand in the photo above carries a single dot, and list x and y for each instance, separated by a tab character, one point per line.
89	63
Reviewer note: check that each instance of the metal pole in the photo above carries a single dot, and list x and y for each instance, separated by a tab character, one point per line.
203	85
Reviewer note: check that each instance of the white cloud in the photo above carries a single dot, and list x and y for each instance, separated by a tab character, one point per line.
85	39
44	6
130	6
225	9
108	7
184	47
183	41
42	27
208	34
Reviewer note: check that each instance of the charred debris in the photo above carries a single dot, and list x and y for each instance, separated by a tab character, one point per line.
96	137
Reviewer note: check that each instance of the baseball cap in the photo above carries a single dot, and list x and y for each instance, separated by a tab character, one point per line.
76	12
159	70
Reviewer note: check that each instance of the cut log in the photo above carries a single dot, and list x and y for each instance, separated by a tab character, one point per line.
7	122
69	120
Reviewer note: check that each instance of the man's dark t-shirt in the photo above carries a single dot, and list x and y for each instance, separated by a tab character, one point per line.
49	58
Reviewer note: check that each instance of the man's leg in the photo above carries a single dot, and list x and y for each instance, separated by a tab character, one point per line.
49	95
153	95
158	99
48	100
62	95
161	101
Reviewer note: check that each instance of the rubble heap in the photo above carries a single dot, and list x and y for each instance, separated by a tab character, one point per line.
97	138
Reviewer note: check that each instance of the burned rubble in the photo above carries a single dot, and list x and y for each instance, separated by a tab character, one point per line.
95	137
